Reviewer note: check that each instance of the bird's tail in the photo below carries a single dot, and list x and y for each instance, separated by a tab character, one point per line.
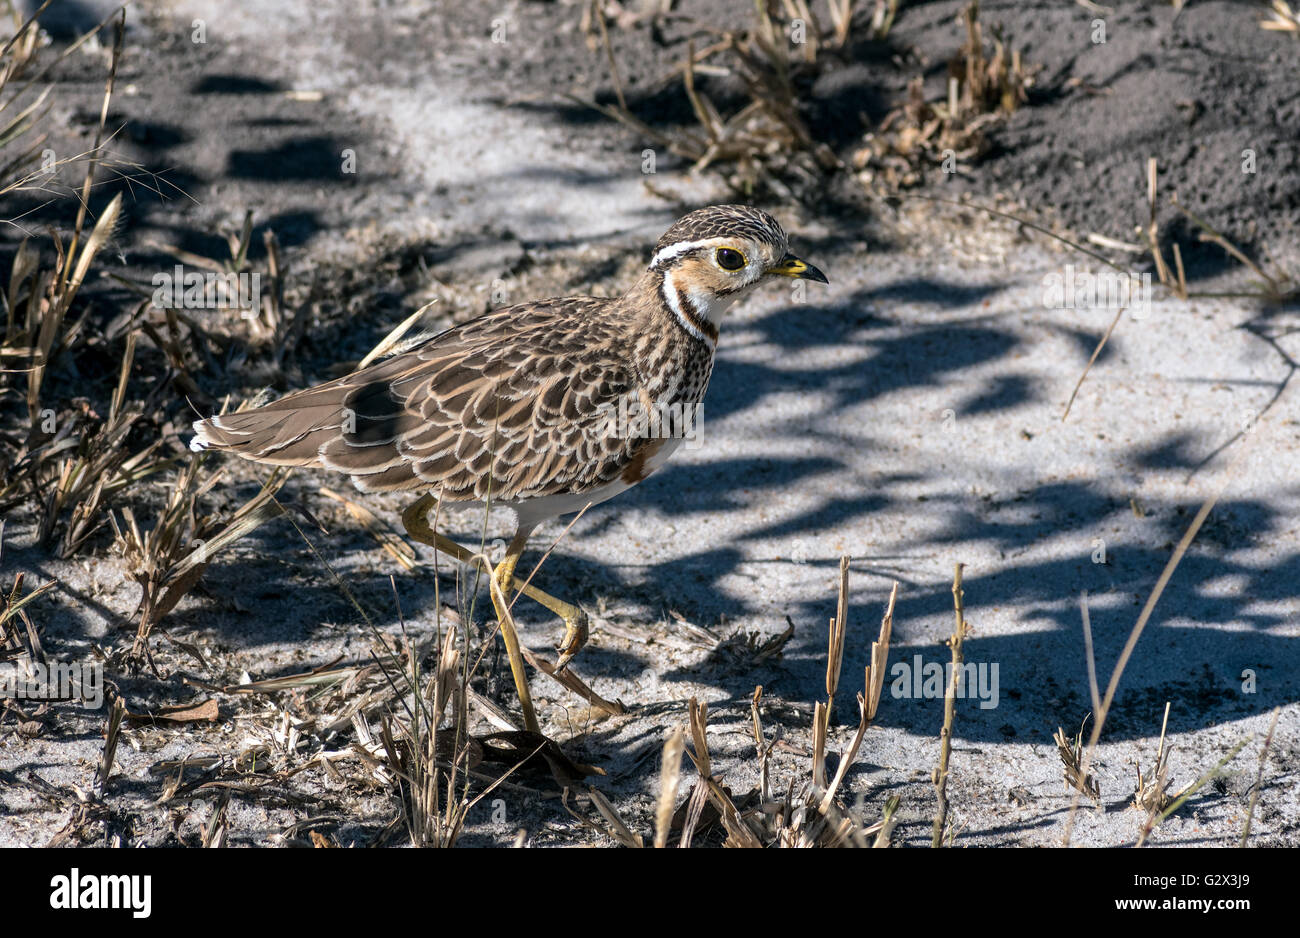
286	432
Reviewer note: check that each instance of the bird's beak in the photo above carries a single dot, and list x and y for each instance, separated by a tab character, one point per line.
791	266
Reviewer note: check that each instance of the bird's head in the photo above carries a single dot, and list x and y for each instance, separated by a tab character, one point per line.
712	256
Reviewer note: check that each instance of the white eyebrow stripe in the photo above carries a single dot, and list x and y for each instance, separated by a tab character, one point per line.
682	247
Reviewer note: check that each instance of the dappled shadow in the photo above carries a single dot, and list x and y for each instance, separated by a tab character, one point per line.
1221	616
311	158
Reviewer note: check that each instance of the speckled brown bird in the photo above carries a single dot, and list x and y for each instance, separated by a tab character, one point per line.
526	406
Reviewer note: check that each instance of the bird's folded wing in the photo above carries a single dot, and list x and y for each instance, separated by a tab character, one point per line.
502	407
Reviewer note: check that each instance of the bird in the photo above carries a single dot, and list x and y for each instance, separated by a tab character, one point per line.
546	407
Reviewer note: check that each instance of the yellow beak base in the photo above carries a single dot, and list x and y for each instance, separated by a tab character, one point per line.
791	266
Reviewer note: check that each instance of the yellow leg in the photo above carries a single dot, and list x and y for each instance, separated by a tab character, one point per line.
416	521
503	576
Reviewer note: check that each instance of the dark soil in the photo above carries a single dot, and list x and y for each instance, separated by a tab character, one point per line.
1200	90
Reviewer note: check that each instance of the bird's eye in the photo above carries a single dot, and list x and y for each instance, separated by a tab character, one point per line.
730	259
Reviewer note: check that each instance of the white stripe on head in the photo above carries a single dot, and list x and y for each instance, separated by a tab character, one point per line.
683	247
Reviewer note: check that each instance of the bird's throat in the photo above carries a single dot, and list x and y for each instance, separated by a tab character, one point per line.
698	313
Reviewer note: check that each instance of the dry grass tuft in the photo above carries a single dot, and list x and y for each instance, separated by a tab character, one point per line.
1282	19
766	143
19	637
168	559
1151	793
399	722
271	321
811	812
984	88
1071	753
70	462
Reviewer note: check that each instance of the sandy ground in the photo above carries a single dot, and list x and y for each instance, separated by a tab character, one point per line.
909	415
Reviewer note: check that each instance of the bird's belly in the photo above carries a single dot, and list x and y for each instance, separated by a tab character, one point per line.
532	511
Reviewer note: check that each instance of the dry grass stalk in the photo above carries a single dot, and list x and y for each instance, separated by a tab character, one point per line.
1181	290
955	642
739	833
445	684
884	828
670	773
820	729
698	714
393	342
1259	776
762	750
617	828
18	643
216	833
1152	231
1151	793
694	810
598	6
571	682
874	682
1092	360
834	663
882	18
1089	658
112	731
838	628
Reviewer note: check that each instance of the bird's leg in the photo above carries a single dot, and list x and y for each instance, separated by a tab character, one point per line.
416	521
503	576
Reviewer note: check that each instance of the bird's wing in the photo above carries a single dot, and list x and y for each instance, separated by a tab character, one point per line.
515	404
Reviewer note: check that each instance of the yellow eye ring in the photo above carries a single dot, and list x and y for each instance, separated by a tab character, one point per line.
730	259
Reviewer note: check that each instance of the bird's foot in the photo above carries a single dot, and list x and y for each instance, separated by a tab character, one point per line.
575	636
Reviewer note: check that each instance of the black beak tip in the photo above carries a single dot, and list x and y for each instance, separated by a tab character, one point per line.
812	273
